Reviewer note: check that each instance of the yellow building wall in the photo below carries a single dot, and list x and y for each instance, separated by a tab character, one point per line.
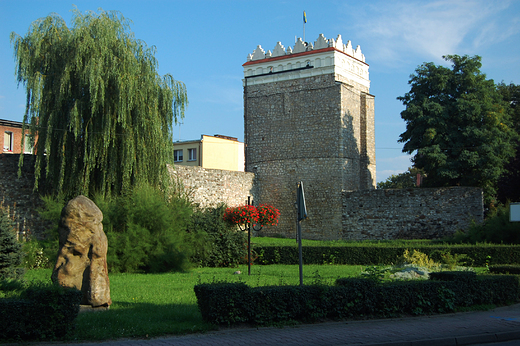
185	146
213	153
220	153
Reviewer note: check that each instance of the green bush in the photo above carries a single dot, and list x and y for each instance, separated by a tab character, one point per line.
34	255
374	254
465	276
51	212
216	243
42	312
495	229
145	230
11	254
505	269
350	298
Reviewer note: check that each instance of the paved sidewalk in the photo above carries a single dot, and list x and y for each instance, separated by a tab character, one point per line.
467	328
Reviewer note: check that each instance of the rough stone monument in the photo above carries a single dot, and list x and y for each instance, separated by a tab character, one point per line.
81	259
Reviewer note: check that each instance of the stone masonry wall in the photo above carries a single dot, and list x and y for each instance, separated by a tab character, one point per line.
421	213
210	187
306	130
16	193
364	214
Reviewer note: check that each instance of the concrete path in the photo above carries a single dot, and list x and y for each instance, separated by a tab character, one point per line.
468	328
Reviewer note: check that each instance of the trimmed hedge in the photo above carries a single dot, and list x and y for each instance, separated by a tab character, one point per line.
232	303
377	255
42	313
505	269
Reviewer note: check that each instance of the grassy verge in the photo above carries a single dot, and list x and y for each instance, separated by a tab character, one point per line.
150	305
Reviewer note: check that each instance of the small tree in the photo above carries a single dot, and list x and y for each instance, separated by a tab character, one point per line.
458	126
11	255
401	181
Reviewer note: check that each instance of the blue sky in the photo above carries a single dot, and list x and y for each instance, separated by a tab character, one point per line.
205	43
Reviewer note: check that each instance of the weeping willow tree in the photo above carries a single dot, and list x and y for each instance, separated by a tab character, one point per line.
102	113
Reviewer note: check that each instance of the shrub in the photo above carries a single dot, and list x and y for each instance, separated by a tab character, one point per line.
495	229
11	254
226	303
51	211
35	256
419	259
145	231
505	269
451	261
216	243
373	254
42	312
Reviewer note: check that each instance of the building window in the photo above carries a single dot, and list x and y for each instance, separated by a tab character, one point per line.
28	145
177	155
192	154
8	141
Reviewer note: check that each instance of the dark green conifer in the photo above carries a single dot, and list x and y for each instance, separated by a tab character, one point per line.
11	254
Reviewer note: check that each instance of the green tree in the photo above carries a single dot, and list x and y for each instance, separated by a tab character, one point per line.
102	112
511	95
508	186
458	125
401	181
11	255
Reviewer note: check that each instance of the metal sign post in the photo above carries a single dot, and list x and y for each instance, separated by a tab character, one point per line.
249	241
300	215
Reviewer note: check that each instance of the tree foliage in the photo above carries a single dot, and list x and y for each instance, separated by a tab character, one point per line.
102	112
458	125
508	186
11	254
401	181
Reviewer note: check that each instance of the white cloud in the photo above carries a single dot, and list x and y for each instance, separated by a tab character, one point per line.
392	165
385	174
431	29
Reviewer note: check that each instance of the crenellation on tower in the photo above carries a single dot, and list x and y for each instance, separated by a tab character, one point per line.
327	56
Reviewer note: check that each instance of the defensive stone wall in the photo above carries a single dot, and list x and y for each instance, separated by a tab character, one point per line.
210	187
420	213
363	214
16	194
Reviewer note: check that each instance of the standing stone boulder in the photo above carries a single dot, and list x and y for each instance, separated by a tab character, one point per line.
82	256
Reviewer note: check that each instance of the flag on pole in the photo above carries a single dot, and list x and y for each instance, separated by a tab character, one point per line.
304	17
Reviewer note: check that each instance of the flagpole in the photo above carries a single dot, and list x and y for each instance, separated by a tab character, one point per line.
304	21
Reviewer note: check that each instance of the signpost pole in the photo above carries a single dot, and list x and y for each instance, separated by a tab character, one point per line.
300	215
249	241
300	252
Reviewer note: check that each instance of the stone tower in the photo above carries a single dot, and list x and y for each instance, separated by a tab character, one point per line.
308	116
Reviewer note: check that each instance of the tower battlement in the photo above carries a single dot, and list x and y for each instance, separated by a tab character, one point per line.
326	56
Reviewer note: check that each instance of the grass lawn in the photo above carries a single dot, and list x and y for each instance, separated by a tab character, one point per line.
159	304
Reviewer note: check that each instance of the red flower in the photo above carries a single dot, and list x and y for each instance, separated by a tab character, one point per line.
263	215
